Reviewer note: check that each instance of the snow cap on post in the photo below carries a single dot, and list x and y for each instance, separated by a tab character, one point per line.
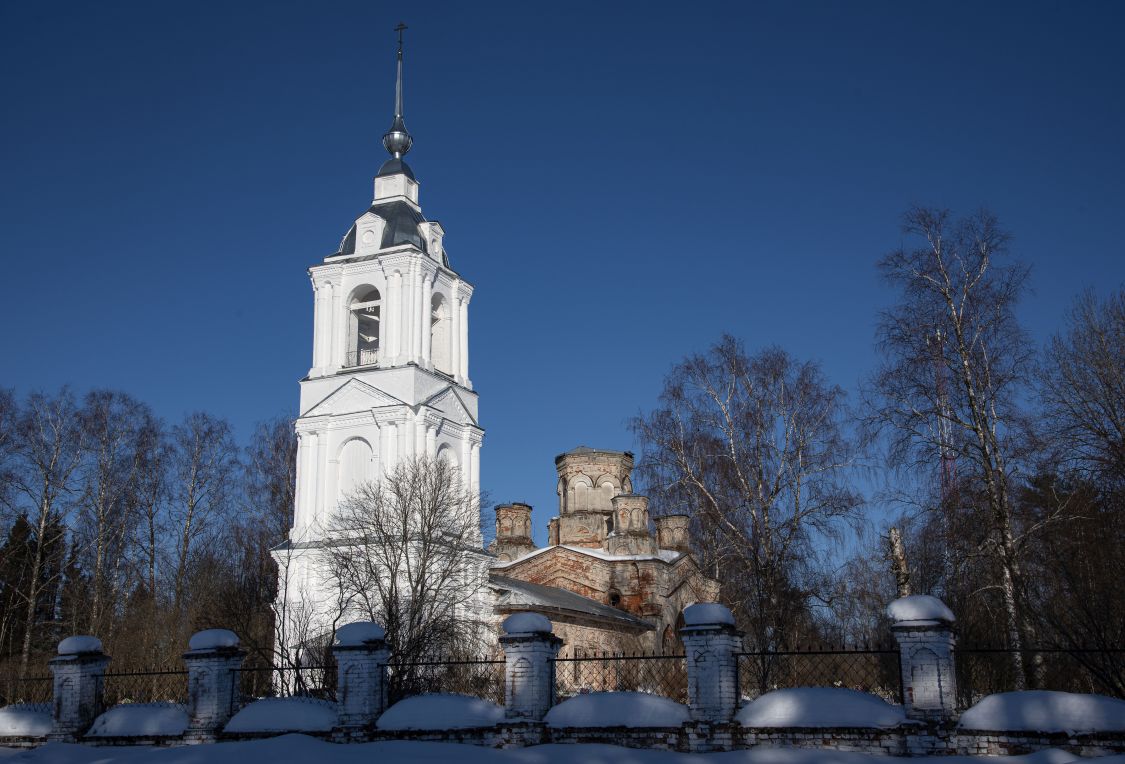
213	639
80	644
708	614
527	623
359	634
919	610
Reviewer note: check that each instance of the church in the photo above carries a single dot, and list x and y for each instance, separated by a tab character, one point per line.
389	381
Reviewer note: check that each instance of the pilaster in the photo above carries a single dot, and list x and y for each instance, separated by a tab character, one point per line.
78	676
711	646
530	649
213	659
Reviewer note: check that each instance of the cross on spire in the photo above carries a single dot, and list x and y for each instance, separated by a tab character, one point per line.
397	140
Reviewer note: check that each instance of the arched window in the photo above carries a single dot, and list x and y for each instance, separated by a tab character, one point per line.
439	334
363	318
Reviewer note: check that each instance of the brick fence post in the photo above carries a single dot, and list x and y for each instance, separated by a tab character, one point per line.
711	646
530	649
79	673
361	661
213	659
923	627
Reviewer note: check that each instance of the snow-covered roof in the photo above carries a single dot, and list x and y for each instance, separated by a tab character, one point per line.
707	613
359	633
664	555
79	644
213	639
526	623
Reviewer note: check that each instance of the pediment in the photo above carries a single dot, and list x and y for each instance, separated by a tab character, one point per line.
451	406
352	397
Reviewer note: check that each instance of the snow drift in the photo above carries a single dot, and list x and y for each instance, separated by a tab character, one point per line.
819	707
1045	711
438	711
285	715
25	720
618	709
141	720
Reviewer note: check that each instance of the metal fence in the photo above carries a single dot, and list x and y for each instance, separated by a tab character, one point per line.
158	685
868	669
32	689
479	677
986	670
255	682
664	675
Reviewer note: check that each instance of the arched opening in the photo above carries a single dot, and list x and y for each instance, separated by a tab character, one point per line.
439	334
363	328
354	467
614	598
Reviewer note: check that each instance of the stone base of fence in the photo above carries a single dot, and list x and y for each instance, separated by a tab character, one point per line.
698	737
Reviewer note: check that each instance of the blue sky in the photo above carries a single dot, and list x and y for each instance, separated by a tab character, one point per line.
622	182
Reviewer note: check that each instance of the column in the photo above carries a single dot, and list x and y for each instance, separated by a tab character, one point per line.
335	329
213	659
923	627
711	646
427	338
530	649
78	674
455	332
318	329
431	442
464	335
419	314
301	510
406	316
361	686
466	461
474	470
320	470
420	435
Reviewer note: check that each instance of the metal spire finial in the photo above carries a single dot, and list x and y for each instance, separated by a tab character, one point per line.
397	140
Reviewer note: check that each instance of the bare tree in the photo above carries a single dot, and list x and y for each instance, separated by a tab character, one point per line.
203	474
753	447
116	428
406	552
955	362
50	446
1082	387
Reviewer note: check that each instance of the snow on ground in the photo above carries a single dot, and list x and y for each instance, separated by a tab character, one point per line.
301	749
440	712
141	719
1046	711
618	709
284	714
31	719
819	707
920	609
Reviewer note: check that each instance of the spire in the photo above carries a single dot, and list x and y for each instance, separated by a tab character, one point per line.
397	140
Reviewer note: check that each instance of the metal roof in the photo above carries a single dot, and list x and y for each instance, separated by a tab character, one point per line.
523	595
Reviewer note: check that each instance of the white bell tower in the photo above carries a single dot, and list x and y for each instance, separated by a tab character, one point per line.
390	362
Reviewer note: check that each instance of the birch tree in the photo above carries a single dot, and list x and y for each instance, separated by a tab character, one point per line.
955	363
754	449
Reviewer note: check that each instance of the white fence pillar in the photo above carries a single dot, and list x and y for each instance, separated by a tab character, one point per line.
530	649
79	673
361	660
923	627
213	659
711	644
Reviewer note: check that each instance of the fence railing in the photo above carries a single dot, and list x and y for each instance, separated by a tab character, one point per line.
986	670
32	689
664	675
479	677
869	669
254	682
361	358
157	685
